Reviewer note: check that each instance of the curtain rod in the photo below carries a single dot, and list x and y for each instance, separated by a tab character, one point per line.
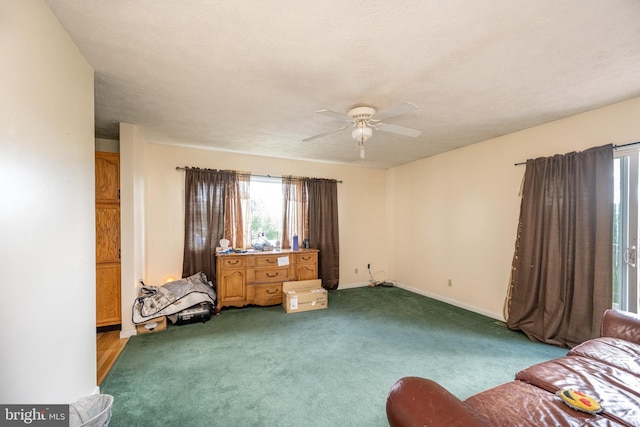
614	147
180	168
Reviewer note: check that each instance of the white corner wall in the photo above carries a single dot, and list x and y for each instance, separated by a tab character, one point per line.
47	219
133	183
454	216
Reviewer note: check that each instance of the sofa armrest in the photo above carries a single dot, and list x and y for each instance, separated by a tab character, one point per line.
622	325
415	401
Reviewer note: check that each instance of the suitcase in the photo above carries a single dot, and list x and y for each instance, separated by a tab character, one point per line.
197	313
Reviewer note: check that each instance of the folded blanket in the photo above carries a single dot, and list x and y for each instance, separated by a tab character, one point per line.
173	297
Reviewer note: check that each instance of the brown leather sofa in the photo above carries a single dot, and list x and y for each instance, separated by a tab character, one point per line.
607	368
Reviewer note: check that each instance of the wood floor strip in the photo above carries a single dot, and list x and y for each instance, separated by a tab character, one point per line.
109	345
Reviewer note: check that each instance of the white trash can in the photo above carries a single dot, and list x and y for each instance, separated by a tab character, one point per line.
91	411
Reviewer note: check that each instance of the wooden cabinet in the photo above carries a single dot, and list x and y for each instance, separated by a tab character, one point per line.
108	233
306	266
230	280
256	278
107	296
107	180
107	177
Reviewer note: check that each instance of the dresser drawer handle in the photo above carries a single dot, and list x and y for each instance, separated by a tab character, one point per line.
272	292
275	275
306	258
234	262
271	261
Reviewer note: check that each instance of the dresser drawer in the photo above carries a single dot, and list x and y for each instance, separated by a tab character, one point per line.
306	257
232	262
280	274
268	291
268	261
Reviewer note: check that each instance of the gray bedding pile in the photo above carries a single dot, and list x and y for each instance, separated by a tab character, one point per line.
173	297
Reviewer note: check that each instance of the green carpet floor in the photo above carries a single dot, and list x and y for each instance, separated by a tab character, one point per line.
257	366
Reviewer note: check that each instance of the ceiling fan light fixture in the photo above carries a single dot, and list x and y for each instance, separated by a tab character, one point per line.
362	133
364	120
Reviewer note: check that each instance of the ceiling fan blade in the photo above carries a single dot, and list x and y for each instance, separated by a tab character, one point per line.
323	134
400	130
405	107
335	115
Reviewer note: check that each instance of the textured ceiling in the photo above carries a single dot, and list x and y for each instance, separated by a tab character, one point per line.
248	76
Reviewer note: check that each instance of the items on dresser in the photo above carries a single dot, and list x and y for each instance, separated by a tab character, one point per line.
256	277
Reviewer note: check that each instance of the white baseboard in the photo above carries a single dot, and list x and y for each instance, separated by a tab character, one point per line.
497	316
353	285
126	333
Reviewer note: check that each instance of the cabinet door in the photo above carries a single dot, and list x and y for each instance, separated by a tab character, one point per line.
306	272
107	233
231	286
108	294
107	177
307	266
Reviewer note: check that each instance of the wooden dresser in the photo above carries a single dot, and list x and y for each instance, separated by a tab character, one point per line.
256	277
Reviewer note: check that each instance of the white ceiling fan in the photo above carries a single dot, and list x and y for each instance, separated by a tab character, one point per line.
365	119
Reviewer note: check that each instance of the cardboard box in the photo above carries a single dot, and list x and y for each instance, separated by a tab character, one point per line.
304	295
153	325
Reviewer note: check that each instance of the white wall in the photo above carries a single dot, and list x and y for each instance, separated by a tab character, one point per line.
454	216
133	183
448	217
152	189
361	203
47	219
107	145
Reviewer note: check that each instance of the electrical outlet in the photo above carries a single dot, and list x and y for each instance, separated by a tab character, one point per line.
450	283
368	266
356	271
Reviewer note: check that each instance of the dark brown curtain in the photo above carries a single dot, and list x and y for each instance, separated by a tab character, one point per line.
216	206
203	220
323	229
561	280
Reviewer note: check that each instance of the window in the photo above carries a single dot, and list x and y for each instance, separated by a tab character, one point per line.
266	209
245	207
625	230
